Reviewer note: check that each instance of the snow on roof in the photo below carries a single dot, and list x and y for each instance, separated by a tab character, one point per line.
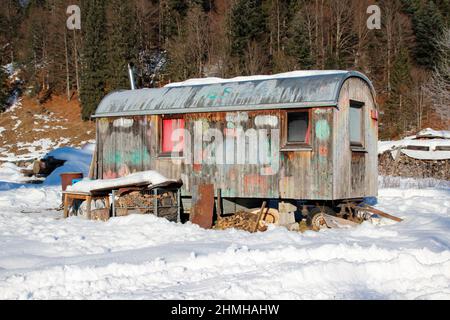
427	155
150	177
430	133
432	149
298	89
286	75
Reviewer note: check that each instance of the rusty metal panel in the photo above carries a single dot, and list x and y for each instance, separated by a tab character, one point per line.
202	205
306	90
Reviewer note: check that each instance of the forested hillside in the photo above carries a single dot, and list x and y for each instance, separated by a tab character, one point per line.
172	40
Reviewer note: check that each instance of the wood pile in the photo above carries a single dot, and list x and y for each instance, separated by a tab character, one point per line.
138	202
241	220
100	214
136	199
408	167
43	167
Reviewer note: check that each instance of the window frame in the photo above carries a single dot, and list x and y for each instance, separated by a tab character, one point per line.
360	145
296	146
168	155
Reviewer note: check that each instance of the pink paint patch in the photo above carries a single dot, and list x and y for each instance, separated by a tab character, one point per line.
323	151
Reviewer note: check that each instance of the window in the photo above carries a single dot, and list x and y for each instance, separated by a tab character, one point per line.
297	130
420	148
356	124
171	143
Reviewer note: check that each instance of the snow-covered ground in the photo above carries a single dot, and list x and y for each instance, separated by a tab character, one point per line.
43	256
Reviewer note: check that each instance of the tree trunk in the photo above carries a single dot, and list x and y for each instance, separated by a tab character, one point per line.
75	51
67	65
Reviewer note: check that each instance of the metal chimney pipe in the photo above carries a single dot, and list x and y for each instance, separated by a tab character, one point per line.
131	76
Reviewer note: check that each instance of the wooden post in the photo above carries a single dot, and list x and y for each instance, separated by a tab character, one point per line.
93	163
260	215
219	203
66	206
88	207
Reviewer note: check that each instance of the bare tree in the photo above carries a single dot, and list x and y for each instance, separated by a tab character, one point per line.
255	59
439	86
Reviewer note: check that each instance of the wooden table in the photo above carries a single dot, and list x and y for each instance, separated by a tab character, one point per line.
69	197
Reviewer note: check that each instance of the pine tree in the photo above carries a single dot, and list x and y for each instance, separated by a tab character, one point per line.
11	15
94	56
35	46
248	23
428	27
122	44
444	7
3	89
298	43
410	6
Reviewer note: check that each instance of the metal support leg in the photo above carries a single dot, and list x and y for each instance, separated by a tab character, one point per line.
113	198
156	201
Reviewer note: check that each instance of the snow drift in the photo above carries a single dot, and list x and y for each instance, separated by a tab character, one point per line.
77	160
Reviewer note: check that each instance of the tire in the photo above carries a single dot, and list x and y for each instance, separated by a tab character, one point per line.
314	219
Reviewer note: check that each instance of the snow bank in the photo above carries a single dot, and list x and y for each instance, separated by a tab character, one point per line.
293	74
144	257
9	172
151	177
77	160
11	177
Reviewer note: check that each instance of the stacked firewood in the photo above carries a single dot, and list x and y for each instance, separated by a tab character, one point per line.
408	167
136	199
241	220
143	203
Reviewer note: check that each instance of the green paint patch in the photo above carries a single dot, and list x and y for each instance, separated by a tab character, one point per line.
322	130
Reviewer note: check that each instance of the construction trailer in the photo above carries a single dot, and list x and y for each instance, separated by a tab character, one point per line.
316	134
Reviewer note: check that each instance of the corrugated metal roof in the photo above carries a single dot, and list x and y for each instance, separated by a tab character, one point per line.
310	89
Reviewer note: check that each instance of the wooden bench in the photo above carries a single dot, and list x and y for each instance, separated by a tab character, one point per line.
69	197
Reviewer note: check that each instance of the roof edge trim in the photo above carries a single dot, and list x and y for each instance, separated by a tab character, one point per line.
320	104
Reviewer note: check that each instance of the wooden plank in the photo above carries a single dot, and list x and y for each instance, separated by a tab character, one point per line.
93	164
382	214
219	203
263	207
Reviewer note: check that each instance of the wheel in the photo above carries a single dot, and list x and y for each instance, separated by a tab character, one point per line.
315	219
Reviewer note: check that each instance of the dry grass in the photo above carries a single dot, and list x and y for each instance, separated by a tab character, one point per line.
57	120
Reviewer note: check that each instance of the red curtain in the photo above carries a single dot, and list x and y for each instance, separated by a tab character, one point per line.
168	127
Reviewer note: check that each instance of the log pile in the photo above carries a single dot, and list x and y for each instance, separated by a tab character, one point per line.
43	167
241	220
135	199
408	167
143	203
